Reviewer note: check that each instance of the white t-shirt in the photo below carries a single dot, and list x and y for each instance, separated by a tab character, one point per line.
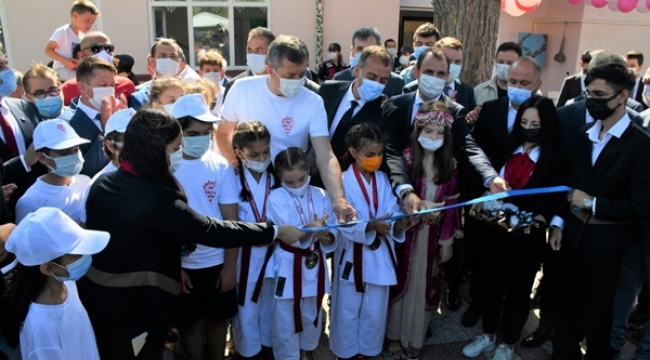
68	198
291	121
58	332
110	167
65	40
207	182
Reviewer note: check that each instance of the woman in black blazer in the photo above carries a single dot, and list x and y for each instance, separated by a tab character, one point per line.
530	158
131	290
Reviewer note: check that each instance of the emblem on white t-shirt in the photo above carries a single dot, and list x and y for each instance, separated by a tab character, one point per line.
287	124
210	188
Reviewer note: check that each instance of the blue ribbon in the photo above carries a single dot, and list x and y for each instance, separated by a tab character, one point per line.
501	195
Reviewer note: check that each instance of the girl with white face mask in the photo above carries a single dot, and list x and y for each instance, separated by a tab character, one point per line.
252	324
297	203
164	92
432	168
208	274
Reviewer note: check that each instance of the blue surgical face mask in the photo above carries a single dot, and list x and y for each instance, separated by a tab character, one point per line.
50	106
175	160
196	146
419	50
370	90
354	60
76	270
69	165
429	144
9	82
517	96
454	71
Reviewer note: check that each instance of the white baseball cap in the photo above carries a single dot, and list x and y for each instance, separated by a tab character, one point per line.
56	134
119	121
193	105
48	233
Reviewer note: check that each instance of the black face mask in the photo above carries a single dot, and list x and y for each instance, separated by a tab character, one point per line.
598	108
531	135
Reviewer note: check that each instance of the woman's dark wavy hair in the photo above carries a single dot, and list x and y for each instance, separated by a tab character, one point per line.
27	283
357	137
246	133
549	140
145	146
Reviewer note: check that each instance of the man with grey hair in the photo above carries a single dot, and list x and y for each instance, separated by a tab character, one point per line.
362	38
294	115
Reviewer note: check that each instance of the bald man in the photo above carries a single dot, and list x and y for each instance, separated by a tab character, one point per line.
97	44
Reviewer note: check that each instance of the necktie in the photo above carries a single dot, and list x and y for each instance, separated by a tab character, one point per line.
98	121
447	90
10	139
342	128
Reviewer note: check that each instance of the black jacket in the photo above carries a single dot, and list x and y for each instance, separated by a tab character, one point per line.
618	180
571	88
394	86
136	277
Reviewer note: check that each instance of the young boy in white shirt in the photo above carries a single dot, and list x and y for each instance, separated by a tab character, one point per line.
57	147
209	274
63	41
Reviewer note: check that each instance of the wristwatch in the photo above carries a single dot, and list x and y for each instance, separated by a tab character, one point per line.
407	193
588	204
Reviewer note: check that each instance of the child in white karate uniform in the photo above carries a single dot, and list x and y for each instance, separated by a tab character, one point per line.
299	271
365	261
252	324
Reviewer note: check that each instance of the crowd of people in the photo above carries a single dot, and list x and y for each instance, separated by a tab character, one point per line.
195	203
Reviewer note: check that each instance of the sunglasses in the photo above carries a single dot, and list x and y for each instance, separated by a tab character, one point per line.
97	48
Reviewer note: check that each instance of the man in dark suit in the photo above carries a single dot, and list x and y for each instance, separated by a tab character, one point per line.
635	62
95	77
603	218
18	119
457	90
432	71
574	85
348	103
361	39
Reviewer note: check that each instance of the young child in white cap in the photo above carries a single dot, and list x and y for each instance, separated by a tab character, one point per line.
209	274
52	252
57	147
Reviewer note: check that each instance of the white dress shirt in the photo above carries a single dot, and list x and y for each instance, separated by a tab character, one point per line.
582	82
512	115
344	106
416	106
91	113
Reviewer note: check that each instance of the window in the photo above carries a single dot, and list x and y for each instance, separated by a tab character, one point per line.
201	25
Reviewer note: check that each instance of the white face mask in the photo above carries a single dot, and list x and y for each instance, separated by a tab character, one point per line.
167	67
257	166
290	87
169	107
332	55
431	86
214	76
454	71
430	145
103	55
175	160
502	71
256	62
392	51
354	60
99	93
404	60
299	192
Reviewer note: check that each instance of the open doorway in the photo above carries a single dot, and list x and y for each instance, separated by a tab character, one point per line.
409	22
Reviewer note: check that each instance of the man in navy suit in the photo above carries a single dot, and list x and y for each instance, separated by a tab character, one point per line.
96	80
361	39
455	88
635	62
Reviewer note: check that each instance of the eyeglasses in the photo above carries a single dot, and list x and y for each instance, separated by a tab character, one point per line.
600	95
53	91
97	48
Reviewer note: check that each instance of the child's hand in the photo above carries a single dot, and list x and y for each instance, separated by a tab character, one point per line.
71	64
382	228
446	252
403	224
318	223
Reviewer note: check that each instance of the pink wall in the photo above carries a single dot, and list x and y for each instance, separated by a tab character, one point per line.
588	28
296	18
341	18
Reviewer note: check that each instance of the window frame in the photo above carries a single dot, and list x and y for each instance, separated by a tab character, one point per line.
189	4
